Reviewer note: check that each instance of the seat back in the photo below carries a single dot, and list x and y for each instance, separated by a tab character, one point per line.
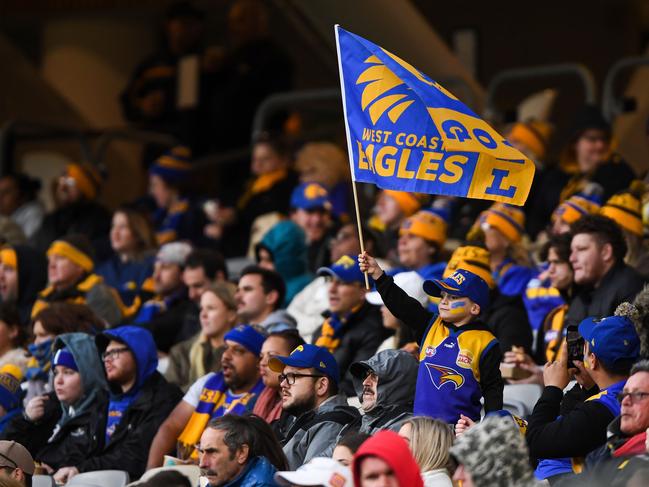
103	478
43	481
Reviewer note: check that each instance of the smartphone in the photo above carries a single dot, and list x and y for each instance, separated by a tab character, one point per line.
575	346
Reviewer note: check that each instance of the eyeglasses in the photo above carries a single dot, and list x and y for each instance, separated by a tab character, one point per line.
634	396
290	377
114	353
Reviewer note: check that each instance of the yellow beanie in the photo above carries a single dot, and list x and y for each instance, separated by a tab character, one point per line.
427	225
473	259
67	250
408	202
86	177
574	208
625	208
533	134
508	220
8	257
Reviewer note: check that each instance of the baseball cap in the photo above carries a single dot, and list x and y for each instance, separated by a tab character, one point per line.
14	455
319	471
410	282
345	269
309	196
461	283
612	339
247	336
305	357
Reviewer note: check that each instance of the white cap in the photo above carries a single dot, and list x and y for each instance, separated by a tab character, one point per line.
411	282
319	471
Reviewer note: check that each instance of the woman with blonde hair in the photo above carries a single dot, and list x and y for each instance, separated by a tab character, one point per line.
193	358
430	440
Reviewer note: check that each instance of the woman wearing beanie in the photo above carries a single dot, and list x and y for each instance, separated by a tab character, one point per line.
72	280
65	426
77	209
502	227
625	208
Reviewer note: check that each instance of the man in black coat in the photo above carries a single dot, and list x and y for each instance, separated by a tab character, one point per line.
353	329
140	400
597	255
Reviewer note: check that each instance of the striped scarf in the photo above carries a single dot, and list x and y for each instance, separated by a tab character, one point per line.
212	403
332	330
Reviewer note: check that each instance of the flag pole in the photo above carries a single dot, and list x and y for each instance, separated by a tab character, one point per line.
349	151
360	229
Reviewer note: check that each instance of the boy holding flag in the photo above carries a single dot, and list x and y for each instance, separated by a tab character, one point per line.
459	357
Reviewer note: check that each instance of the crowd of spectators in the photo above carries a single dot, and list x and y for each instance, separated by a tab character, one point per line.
133	339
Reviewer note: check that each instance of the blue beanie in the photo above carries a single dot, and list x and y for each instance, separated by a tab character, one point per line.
65	358
174	166
247	336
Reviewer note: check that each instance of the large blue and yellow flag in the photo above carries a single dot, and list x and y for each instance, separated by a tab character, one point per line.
406	132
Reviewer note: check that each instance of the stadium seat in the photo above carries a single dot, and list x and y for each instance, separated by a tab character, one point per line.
520	399
43	481
100	478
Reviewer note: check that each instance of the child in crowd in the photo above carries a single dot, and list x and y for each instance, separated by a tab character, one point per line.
459	357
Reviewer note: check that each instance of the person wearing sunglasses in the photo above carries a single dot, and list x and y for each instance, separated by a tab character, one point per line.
309	383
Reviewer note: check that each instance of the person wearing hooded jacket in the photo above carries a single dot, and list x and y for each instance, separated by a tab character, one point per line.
23	273
140	400
493	453
386	455
63	428
284	250
385	385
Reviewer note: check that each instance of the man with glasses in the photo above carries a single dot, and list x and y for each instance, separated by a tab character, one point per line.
353	328
16	463
625	451
309	384
140	400
562	430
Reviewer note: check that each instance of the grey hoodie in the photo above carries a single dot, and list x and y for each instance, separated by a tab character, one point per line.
495	454
315	432
83	349
397	373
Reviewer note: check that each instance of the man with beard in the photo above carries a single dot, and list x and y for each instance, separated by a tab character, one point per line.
309	382
385	385
231	391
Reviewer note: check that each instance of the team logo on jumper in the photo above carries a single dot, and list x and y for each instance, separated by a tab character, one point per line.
430	351
464	359
440	375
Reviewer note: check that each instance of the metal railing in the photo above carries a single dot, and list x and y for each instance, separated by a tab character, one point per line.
534	72
612	106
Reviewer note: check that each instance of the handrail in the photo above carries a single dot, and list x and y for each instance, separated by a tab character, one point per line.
579	70
610	107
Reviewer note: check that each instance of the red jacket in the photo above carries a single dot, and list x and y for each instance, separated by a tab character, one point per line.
393	450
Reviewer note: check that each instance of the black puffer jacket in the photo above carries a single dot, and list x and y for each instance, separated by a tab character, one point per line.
361	336
129	445
83	435
620	284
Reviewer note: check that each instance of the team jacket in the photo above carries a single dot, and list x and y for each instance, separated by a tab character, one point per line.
457	365
561	440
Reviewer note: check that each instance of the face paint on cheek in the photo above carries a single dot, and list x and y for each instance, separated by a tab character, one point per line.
458	307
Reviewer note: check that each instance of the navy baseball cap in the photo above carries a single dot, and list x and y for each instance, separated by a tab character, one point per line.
247	336
345	269
305	357
461	283
612	339
310	196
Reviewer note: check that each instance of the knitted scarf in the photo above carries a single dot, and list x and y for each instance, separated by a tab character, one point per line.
332	329
212	401
260	184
